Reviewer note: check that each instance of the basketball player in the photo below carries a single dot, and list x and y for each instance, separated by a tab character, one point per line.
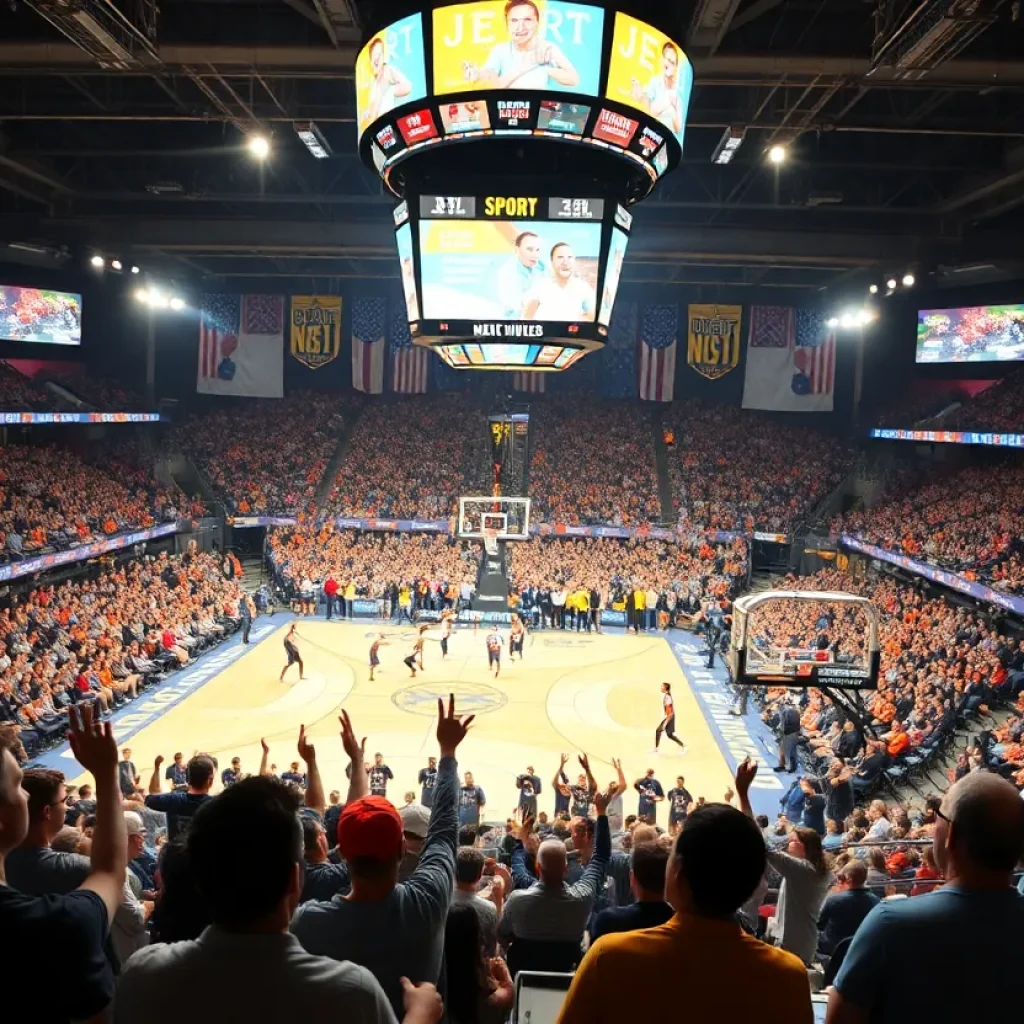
374	658
417	653
679	801
494	646
446	631
583	792
515	640
668	722
292	650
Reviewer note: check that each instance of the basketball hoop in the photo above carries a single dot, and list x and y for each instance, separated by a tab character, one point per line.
490	541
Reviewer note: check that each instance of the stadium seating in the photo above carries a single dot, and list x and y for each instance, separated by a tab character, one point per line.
19	394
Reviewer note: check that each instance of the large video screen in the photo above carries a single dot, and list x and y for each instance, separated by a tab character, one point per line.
408	267
509	270
39	316
650	72
975	334
616	254
536	44
391	70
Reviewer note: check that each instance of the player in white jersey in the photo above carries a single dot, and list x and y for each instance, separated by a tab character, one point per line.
494	646
668	721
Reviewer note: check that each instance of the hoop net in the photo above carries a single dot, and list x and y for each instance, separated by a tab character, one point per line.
490	541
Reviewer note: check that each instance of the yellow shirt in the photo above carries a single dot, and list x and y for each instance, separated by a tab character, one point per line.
640	600
693	969
350	591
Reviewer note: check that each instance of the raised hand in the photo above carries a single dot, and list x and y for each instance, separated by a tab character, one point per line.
564	761
356	749
264	745
602	799
422	1003
306	749
451	729
745	774
158	761
92	743
585	763
525	829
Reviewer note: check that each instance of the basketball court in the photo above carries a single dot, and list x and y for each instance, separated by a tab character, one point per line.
572	692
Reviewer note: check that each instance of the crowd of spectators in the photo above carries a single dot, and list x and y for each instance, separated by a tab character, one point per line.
374	565
592	462
996	410
679	576
104	394
19	393
733	469
410	459
969	520
266	456
53	499
103	640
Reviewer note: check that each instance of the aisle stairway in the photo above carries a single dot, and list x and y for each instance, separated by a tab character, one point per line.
668	512
323	489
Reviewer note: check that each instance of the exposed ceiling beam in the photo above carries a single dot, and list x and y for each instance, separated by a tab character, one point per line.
709	24
7	185
15	163
308	12
986	199
752	13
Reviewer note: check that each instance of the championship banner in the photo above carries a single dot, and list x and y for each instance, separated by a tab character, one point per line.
316	329
713	339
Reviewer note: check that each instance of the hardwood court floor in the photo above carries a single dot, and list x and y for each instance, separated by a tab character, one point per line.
599	694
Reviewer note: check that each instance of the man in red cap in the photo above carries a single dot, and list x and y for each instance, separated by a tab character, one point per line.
395	929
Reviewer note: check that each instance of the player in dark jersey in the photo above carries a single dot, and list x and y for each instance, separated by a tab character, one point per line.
668	721
679	801
292	650
494	645
446	632
374	657
416	655
515	641
582	792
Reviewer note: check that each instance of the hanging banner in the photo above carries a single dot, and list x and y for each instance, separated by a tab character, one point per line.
713	336
316	329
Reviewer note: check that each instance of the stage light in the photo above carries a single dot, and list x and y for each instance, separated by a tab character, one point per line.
866	316
116	265
259	146
142	295
891	284
728	144
98	262
908	280
832	321
847	320
177	304
873	289
313	139
777	155
135	270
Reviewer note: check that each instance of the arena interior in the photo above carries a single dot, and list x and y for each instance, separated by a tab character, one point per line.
492	489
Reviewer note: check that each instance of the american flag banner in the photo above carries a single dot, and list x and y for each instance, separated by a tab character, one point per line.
530	382
241	346
409	363
617	369
656	353
369	317
791	361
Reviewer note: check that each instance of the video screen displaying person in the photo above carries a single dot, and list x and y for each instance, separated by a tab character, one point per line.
561	295
405	257
518	44
508	270
616	256
390	70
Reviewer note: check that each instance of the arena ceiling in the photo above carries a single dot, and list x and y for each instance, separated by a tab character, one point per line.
900	155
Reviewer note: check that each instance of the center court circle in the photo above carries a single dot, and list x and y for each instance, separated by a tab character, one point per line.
470	698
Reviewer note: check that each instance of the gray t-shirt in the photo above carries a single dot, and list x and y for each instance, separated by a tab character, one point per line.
803	891
487	914
403	934
253	978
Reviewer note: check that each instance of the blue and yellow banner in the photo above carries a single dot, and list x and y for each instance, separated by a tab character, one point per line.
713	338
315	329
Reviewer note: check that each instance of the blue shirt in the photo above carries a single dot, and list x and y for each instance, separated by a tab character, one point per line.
841	915
648	790
966	942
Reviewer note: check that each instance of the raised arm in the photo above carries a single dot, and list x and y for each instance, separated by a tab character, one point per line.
315	799
591	781
556	782
358	785
93	745
620	786
264	756
593	878
154	779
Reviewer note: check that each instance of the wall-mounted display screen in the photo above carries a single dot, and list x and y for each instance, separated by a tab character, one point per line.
391	70
650	72
974	334
408	267
509	270
616	254
39	316
549	45
565	118
469	116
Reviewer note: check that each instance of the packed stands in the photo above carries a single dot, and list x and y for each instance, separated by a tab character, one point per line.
104	639
266	456
375	564
592	462
20	394
410	459
997	409
52	499
102	393
733	469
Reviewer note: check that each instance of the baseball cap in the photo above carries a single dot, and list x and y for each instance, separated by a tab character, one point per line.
415	820
370	827
133	823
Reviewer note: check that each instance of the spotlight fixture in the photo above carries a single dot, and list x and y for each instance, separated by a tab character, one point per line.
177	304
98	262
908	280
728	144
832	321
142	295
116	265
259	146
891	284
847	320
135	270
313	139
777	155
873	289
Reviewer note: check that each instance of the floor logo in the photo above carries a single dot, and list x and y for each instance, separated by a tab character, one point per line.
470	698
